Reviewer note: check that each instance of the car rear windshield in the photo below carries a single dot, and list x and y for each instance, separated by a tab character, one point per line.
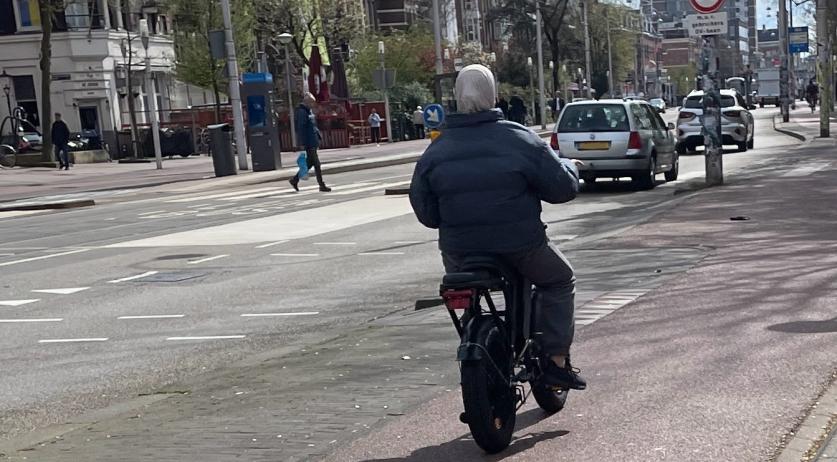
696	102
594	118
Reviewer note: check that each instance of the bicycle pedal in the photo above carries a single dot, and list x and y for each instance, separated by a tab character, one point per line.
463	418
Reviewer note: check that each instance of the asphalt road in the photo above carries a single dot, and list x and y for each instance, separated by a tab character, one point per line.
154	287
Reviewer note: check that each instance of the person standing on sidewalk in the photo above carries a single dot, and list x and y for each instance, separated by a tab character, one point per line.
60	140
375	126
309	136
418	122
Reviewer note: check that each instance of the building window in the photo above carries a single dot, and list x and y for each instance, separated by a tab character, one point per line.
28	15
24	86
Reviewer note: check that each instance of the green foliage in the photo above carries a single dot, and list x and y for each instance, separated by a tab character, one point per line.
409	53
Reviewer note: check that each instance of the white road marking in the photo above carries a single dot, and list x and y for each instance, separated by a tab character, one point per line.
110	219
287	226
208	337
20	213
131	278
566	237
11	321
216	196
294	255
7	255
18	302
408	242
153	316
74	340
267	315
67	291
370	188
369	254
270	244
204	260
808	169
44	257
335	243
151	213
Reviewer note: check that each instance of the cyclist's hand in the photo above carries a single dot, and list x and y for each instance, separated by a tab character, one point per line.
578	163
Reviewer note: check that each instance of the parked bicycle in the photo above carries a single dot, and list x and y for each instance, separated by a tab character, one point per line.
499	350
8	156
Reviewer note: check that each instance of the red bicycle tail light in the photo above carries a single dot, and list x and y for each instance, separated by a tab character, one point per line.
634	142
459	299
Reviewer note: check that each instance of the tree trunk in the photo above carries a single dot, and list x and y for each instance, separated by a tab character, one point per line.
132	104
45	9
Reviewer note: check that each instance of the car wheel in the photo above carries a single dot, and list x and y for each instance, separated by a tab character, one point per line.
671	175
647	180
751	144
682	149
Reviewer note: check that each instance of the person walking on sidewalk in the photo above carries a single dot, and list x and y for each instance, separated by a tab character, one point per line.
60	141
418	122
375	126
309	136
481	185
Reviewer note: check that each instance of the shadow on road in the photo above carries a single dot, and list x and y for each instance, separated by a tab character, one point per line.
806	327
464	447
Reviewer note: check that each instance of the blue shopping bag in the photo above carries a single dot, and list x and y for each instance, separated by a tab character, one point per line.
302	162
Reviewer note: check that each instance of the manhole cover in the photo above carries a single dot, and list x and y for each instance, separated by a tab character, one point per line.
172	276
183	256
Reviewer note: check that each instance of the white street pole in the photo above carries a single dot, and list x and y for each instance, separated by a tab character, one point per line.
587	62
437	34
235	90
539	32
145	36
382	51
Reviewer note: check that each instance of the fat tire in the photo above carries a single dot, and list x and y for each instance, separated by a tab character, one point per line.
481	396
549	400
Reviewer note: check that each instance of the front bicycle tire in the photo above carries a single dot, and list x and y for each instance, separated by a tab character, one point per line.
549	399
489	400
8	156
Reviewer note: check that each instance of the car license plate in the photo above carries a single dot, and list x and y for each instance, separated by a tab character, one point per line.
594	146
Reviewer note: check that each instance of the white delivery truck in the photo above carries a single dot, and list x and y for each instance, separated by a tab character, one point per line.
768	83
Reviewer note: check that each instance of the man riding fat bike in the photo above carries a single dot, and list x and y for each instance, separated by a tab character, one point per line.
481	184
812	94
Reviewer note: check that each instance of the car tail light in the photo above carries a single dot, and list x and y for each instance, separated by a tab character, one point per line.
732	114
686	116
635	142
553	142
459	299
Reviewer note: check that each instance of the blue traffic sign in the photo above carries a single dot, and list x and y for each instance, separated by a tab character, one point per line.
798	40
434	116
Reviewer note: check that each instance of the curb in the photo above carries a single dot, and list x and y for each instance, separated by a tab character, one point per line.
790	133
806	441
49	206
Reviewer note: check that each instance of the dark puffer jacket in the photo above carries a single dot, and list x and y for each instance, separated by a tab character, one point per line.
482	181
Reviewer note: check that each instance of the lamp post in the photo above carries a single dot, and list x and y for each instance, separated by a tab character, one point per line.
235	87
530	64
145	36
382	53
539	31
285	40
587	60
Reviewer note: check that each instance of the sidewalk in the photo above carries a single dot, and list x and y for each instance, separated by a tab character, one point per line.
803	125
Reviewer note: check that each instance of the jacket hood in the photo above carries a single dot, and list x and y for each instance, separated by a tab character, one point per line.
476	118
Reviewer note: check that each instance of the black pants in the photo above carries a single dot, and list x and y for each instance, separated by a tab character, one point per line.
62	152
419	131
376	135
553	276
313	160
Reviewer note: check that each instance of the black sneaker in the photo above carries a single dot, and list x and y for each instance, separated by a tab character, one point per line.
566	377
325	188
294	184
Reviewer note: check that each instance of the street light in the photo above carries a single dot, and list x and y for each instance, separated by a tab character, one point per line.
530	64
145	37
285	40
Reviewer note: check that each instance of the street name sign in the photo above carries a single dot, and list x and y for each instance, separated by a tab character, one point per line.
699	25
706	6
434	116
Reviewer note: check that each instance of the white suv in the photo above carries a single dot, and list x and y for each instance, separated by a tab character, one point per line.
737	125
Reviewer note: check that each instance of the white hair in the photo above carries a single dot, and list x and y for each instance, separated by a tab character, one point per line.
475	89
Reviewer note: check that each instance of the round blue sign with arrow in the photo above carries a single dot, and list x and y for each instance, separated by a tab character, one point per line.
434	116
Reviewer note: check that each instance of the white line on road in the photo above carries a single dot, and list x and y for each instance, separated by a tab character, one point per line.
151	213
807	170
204	260
131	278
7	255
208	337
370	254
294	255
18	302
65	291
271	244
408	242
335	243
11	321
154	316
216	196
44	257
267	315
74	340
370	188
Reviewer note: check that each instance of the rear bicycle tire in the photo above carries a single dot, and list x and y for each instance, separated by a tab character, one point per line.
490	403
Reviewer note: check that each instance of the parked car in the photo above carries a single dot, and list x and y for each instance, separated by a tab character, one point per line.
658	104
617	139
737	123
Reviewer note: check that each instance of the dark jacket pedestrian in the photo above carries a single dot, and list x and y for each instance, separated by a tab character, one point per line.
60	139
517	110
503	105
308	135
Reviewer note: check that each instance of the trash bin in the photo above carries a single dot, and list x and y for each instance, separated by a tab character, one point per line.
220	146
